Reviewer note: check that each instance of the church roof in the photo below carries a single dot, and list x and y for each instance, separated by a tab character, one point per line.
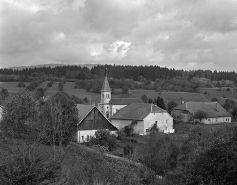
124	101
137	111
212	109
105	86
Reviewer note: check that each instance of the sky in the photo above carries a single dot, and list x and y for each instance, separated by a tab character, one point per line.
180	34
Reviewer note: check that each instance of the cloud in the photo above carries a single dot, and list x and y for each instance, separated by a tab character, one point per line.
187	34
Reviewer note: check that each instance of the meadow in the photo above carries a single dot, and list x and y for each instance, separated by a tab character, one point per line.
166	95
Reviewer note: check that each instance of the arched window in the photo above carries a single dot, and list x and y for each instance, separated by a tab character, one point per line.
107	114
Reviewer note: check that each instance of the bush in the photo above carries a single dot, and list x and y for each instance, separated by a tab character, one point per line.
50	84
104	138
121	135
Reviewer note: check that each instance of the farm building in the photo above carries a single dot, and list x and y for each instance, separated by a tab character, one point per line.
146	115
190	111
108	106
91	120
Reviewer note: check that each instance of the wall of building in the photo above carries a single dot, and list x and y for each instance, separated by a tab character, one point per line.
115	108
163	120
216	120
119	124
85	135
186	116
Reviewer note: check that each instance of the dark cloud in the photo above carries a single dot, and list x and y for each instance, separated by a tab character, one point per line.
187	34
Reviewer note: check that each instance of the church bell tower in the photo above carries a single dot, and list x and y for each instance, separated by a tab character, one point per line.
104	105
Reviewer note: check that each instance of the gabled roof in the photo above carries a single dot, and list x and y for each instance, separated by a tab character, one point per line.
137	111
212	109
124	101
83	110
105	86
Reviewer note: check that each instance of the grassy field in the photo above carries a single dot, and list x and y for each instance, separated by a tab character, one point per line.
167	96
220	95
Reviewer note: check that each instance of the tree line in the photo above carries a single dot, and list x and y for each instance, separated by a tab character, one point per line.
118	72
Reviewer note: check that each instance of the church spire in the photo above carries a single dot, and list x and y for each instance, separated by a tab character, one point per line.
105	86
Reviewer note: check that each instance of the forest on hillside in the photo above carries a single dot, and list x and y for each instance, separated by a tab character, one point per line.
119	72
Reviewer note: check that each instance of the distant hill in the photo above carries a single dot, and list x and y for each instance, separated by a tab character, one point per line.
51	65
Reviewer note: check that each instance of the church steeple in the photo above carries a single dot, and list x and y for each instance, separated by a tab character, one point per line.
105	86
105	91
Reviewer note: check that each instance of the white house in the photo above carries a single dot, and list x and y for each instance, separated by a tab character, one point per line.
215	113
108	106
146	116
90	121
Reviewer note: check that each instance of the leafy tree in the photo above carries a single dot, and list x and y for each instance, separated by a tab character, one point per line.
234	112
227	106
60	117
60	86
200	115
21	84
50	84
171	105
160	153
214	100
4	93
19	115
144	98
104	138
125	90
154	129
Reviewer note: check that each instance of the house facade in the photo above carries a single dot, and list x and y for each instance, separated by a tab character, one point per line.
90	121
188	112
108	106
146	116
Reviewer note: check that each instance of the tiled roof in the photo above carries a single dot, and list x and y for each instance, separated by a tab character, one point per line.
105	86
83	110
125	101
212	109
137	111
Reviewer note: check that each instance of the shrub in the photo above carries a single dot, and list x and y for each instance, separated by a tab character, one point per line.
104	138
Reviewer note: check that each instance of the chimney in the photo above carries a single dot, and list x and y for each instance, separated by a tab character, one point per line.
217	107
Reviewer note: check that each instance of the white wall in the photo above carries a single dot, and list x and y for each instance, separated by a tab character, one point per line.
119	124
83	134
115	108
216	120
164	122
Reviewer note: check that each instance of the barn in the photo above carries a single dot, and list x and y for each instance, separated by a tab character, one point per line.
214	112
146	116
91	120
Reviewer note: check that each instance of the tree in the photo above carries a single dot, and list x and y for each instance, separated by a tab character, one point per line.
144	98
21	84
160	102
60	86
234	112
4	93
50	84
19	115
214	100
60	116
227	106
171	105
200	115
125	90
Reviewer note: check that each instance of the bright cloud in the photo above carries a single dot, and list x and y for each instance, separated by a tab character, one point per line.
178	34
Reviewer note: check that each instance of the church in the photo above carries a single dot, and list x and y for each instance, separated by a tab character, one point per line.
108	106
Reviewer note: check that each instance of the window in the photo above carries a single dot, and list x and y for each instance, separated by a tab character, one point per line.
107	107
209	120
107	114
88	137
103	96
82	137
